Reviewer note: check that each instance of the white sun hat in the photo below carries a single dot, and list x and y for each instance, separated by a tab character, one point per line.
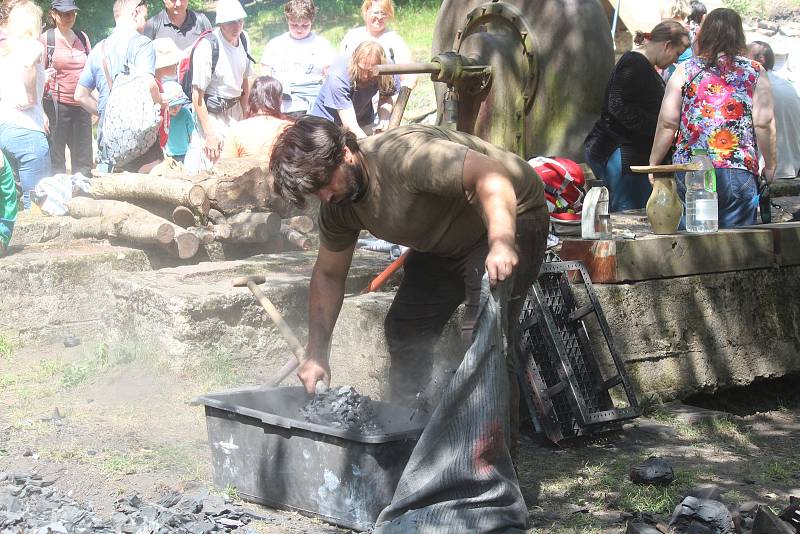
229	10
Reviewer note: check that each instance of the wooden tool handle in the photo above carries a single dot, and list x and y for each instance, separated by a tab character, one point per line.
297	348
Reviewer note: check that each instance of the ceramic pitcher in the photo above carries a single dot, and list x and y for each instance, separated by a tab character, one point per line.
664	208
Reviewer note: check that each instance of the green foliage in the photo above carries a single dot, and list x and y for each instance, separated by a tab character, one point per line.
96	17
6	348
743	7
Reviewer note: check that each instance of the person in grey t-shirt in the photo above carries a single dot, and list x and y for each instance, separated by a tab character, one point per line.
177	22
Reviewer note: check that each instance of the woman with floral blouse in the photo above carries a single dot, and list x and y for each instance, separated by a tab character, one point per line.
721	101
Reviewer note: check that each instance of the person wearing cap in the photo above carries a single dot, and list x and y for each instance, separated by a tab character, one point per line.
219	95
786	104
181	121
65	57
125	47
177	22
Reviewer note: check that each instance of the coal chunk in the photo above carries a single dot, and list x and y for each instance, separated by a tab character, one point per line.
342	408
654	470
701	516
768	523
791	514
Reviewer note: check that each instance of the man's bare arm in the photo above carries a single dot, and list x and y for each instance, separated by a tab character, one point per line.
324	303
492	186
764	123
85	98
212	148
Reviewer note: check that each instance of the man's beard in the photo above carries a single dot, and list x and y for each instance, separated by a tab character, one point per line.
356	185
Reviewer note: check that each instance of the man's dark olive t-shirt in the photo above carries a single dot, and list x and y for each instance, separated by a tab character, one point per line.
415	194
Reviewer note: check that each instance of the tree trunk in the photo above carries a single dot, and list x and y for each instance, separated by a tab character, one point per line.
139	225
250	233
301	223
183	217
295	238
239	184
132	186
272	220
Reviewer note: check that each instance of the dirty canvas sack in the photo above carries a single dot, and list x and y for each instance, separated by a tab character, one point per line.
130	120
460	477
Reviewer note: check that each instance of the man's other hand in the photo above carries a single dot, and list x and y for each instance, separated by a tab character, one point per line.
312	371
501	262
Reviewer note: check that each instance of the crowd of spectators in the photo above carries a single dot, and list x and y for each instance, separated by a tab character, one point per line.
57	85
198	77
692	83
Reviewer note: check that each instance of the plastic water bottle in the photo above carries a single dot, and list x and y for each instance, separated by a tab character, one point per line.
702	211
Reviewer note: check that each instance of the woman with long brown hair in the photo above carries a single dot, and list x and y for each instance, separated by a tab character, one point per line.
720	101
623	135
346	96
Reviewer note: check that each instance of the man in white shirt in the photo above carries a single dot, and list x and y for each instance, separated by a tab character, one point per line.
299	58
219	90
787	112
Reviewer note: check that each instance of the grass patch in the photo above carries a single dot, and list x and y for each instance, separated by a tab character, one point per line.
657	499
6	348
604	485
783	471
159	458
215	368
653	408
7	380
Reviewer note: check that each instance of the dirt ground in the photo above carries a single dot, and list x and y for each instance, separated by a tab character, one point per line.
124	426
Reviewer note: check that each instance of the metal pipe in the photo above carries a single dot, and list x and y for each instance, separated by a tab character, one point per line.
406	68
614	25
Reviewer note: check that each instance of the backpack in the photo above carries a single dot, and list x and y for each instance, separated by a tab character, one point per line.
131	119
185	70
563	188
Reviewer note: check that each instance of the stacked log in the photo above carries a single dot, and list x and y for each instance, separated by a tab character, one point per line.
232	205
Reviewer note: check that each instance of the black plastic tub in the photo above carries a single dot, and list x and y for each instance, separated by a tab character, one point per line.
261	445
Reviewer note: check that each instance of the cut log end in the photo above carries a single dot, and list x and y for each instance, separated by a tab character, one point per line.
183	217
187	245
165	233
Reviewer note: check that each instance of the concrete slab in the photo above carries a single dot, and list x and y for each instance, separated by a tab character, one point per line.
786	241
193	313
53	289
699	333
650	257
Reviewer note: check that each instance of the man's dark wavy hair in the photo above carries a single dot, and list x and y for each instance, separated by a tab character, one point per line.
305	155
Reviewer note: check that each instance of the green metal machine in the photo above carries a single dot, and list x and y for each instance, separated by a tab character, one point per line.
527	75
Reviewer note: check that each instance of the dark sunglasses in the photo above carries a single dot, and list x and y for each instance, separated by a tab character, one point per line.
65	13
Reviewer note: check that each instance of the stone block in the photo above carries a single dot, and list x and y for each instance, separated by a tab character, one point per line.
786	242
190	313
699	333
54	289
650	257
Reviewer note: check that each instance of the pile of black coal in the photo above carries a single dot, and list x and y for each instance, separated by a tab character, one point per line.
343	408
28	503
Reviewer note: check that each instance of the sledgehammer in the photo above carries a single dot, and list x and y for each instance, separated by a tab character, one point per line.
299	352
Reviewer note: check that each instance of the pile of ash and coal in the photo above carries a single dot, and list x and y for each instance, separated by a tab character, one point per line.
343	408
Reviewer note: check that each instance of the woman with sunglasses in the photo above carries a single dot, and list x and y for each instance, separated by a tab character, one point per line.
70	125
377	15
